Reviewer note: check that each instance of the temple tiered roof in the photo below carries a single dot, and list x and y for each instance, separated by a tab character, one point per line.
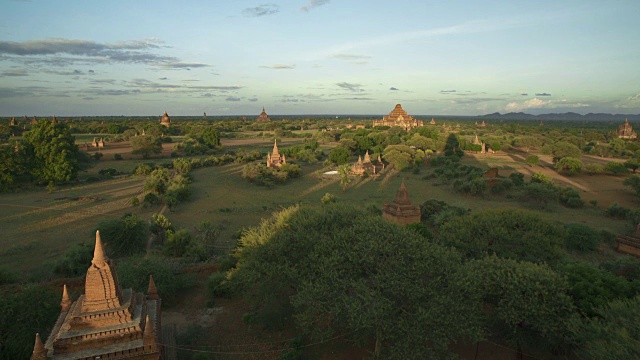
399	117
263	116
275	159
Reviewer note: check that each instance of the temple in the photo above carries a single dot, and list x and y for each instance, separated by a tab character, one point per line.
625	131
263	116
400	210
106	322
399	117
365	166
165	120
275	159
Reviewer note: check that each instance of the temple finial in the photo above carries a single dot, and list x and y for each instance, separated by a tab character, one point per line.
39	352
66	300
152	291
98	252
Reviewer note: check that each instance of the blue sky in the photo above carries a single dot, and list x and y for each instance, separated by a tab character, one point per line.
318	57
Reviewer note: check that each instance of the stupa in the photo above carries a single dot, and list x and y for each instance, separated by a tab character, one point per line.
275	159
400	210
364	166
106	322
263	116
165	120
399	117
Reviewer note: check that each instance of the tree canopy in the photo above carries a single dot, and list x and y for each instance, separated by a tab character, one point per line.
52	155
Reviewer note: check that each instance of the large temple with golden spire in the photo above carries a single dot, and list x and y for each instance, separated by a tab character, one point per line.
400	210
275	159
106	322
263	116
399	117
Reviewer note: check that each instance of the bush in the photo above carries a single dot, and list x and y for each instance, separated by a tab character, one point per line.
592	169
97	156
177	243
532	160
616	168
570	198
76	261
541	194
117	157
151	199
581	238
134	272
218	285
517	178
328	198
125	236
541	179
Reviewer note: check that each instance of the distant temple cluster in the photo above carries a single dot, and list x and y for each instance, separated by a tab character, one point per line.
106	322
263	116
399	117
274	159
400	210
625	131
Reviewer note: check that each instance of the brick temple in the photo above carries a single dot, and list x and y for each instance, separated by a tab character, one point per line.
625	131
399	117
400	210
275	159
165	120
263	116
106	322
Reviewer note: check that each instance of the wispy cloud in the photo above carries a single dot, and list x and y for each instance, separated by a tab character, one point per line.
346	56
351	87
635	97
393	88
279	66
64	52
313	4
543	94
16	72
233	98
261	10
447	91
524	94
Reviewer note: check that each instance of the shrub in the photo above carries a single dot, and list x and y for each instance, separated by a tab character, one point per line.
328	198
151	199
592	169
97	156
616	168
517	178
570	198
218	285
125	236
117	157
581	238
75	261
541	178
541	194
532	160
177	243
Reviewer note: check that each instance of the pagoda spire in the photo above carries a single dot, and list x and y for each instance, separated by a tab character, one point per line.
152	291
66	300
275	147
39	352
98	252
402	196
149	335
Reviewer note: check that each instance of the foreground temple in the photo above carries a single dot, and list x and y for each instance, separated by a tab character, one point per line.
400	210
625	131
106	322
399	117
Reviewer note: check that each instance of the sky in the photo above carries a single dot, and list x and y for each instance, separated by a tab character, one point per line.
188	57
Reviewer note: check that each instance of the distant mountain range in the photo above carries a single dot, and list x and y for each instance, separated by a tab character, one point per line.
568	116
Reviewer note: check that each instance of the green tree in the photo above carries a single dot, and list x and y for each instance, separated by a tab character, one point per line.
565	149
345	179
339	155
316	265
125	236
52	153
632	164
510	234
633	181
452	146
146	145
615	167
569	164
613	334
210	137
532	160
401	156
10	167
592	169
527	303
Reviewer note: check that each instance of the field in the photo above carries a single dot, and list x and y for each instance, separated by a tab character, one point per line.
39	226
